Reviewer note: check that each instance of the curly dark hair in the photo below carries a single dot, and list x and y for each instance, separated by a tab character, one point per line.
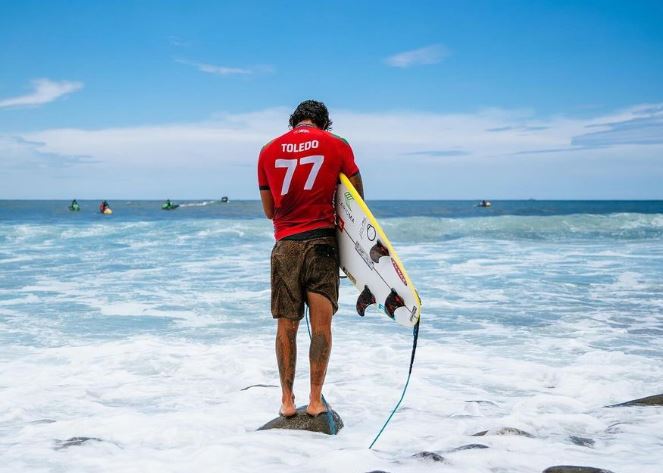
311	110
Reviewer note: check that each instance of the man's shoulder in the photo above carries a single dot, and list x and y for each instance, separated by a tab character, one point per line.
333	138
340	138
265	147
274	140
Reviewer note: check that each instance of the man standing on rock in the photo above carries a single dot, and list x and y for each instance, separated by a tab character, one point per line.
297	175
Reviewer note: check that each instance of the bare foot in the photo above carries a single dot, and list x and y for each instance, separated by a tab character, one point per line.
315	408
288	408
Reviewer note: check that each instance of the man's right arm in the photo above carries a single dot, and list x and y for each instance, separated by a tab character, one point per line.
349	167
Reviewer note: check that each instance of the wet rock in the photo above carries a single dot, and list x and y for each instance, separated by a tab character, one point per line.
485	403
430	456
656	400
42	421
615	428
582	441
329	423
469	446
74	442
574	469
259	386
504	431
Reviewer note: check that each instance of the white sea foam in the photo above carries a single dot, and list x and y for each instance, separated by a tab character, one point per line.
144	335
200	204
171	402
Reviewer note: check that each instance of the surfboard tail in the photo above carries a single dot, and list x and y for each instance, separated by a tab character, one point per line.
365	299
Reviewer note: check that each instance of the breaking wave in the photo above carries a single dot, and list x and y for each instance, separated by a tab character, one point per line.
621	226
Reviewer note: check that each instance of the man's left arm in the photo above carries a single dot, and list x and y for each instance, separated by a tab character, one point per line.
267	203
265	192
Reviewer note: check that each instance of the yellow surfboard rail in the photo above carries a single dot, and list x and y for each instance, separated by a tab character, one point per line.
383	238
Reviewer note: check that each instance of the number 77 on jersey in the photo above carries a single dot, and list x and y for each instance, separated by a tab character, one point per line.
291	164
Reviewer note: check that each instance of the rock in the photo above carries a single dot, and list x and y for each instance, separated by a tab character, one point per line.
656	400
504	431
582	441
74	441
469	446
42	421
431	456
329	423
615	428
574	469
482	402
259	386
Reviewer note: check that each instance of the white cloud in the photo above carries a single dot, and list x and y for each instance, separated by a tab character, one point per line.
178	42
225	70
417	57
45	91
432	155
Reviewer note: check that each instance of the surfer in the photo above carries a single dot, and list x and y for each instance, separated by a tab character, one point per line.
168	205
297	175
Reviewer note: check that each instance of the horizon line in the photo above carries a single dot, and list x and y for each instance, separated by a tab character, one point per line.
529	199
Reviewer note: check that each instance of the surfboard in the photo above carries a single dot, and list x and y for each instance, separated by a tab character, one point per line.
370	261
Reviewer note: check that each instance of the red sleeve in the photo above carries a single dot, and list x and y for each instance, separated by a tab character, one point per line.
348	165
263	184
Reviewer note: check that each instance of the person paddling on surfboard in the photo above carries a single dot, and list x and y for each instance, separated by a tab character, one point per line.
297	176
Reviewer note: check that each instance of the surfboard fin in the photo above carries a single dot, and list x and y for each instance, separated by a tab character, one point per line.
377	251
393	302
365	299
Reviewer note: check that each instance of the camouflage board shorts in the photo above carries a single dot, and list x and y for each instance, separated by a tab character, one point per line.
299	267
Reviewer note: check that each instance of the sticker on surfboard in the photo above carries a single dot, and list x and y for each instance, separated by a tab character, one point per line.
370	261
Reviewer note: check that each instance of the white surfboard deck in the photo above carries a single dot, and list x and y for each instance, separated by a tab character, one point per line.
368	258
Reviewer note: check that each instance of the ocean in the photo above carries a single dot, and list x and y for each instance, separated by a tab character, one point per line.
141	331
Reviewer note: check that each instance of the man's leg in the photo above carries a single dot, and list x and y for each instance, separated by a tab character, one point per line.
286	356
321	311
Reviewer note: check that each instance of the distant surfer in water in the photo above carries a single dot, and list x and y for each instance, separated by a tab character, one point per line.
297	175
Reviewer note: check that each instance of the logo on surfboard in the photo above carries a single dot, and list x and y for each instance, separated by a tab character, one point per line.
348	198
399	272
364	256
347	212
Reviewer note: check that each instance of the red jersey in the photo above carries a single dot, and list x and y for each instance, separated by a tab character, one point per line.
301	170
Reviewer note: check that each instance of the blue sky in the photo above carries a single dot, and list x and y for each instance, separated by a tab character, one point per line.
149	99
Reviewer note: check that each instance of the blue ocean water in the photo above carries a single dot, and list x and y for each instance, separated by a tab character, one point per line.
143	328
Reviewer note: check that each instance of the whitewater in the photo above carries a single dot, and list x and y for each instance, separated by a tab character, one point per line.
149	334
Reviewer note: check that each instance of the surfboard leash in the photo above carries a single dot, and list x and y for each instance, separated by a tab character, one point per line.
330	417
415	337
